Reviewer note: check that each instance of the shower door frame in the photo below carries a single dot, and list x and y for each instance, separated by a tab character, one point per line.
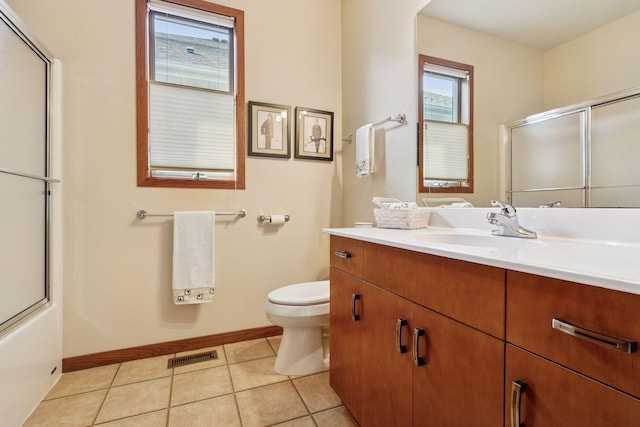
22	314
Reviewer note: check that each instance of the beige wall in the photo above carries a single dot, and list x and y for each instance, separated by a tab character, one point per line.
117	271
379	80
508	81
599	63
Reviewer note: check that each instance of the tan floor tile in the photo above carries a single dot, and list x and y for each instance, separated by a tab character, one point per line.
300	422
143	370
316	392
248	350
74	411
153	419
270	404
83	381
135	399
200	385
337	417
275	342
220	361
254	373
219	411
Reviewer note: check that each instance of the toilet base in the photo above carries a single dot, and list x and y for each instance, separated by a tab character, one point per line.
302	352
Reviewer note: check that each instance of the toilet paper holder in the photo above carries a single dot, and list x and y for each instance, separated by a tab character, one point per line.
273	219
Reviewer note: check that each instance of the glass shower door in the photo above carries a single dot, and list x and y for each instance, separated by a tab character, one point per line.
24	137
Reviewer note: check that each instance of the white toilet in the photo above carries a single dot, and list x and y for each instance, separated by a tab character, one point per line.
303	312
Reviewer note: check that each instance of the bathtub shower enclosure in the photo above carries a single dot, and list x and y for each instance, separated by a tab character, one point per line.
30	313
584	155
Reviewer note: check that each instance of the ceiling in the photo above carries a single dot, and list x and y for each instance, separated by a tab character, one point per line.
542	24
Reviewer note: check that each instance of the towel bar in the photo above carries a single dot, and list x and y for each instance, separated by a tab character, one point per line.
142	214
400	118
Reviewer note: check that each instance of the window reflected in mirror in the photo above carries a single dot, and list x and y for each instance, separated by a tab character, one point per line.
445	129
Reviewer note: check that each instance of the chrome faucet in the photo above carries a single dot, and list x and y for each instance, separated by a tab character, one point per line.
507	222
553	204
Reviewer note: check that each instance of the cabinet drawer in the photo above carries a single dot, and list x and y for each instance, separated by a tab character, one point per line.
471	293
532	304
556	396
347	255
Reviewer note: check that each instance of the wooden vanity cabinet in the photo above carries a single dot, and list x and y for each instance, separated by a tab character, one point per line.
459	380
488	351
571	381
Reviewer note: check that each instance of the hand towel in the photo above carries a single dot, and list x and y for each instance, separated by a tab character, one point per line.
193	257
365	140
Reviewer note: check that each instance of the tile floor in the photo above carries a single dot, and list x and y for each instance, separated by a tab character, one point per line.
237	389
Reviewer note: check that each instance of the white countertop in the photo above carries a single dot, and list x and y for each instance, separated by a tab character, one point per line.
608	264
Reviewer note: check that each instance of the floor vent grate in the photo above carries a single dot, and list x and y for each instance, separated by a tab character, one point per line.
191	359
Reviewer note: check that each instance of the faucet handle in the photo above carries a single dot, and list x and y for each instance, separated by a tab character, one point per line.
551	204
505	208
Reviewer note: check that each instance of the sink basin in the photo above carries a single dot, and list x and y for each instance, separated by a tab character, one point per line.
478	240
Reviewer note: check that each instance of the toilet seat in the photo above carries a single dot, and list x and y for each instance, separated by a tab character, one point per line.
301	294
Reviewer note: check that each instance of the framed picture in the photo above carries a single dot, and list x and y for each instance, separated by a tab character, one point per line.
269	131
314	134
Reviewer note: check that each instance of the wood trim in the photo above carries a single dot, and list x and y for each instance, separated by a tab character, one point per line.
142	106
87	361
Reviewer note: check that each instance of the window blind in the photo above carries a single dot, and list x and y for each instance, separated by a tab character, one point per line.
446	151
447	71
191	13
191	129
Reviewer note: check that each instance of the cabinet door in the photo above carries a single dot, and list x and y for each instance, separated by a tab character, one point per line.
345	340
461	380
387	371
533	302
556	396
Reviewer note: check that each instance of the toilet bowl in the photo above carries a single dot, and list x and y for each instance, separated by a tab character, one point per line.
302	310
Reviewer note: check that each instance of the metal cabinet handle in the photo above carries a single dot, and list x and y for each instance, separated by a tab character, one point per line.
517	388
417	333
342	254
621	344
354	298
399	324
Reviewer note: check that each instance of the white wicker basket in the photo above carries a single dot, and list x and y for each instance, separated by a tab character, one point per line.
406	219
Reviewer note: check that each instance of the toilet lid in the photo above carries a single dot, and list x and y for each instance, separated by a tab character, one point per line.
308	293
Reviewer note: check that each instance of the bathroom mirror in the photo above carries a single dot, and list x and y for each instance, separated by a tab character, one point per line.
529	57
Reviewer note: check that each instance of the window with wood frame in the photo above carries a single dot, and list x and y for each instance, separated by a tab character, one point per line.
190	94
446	126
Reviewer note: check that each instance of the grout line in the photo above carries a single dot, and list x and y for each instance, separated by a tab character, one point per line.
251	360
200	400
173	374
129	416
233	387
300	396
273	347
95	418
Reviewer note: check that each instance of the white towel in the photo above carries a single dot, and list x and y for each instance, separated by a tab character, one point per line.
193	257
365	141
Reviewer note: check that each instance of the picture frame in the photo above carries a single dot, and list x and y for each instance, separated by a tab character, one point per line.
314	134
269	130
